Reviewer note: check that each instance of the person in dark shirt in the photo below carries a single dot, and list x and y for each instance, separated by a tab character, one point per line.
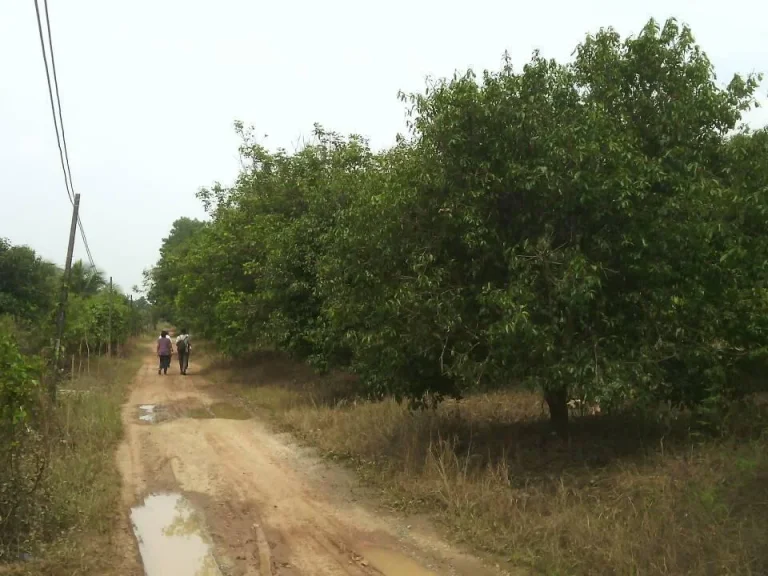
164	351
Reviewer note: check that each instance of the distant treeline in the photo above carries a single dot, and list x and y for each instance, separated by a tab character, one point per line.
29	291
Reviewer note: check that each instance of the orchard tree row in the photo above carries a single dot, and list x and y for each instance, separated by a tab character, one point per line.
593	229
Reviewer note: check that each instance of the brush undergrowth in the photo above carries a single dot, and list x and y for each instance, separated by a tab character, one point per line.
629	493
70	517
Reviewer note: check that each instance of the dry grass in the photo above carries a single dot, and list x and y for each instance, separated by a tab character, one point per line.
627	495
81	489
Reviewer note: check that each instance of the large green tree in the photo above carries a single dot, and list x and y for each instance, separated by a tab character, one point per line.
26	282
592	229
163	279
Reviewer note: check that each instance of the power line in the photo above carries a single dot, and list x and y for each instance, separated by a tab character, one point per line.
85	243
50	95
60	139
58	100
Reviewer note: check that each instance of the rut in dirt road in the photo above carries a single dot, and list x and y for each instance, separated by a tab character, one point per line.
212	491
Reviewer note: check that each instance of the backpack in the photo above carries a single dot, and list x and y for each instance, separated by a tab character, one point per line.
181	346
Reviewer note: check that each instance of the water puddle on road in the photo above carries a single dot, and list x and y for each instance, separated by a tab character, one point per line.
171	538
155	413
393	564
152	413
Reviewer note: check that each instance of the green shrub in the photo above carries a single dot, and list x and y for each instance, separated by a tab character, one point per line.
22	449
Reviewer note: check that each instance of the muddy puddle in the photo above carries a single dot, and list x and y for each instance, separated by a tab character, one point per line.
171	538
391	563
155	413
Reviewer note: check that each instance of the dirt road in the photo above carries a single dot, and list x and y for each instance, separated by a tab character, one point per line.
238	499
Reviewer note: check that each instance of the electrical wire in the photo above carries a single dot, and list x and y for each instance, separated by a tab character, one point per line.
50	95
85	243
61	139
58	100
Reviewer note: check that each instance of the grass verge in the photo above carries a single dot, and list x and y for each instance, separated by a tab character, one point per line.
78	500
627	495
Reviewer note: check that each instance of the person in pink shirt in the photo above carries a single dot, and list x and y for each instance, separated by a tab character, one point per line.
164	351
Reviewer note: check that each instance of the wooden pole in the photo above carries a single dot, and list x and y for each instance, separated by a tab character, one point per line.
60	317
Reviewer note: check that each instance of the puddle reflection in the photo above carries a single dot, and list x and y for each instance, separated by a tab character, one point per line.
156	413
171	538
151	413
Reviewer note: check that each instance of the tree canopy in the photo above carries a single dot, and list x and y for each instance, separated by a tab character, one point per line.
26	282
594	229
29	292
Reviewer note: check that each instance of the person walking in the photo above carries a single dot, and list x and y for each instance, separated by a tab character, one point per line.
164	351
183	348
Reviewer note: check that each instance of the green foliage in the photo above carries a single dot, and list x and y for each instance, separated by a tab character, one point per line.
88	319
17	389
20	463
593	229
30	457
85	281
27	283
162	280
29	292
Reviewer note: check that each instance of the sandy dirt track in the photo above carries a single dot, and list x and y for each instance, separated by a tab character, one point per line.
269	506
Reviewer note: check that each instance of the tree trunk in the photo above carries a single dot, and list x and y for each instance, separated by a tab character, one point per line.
88	351
557	401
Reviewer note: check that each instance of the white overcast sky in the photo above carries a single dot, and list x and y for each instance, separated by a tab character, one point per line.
150	90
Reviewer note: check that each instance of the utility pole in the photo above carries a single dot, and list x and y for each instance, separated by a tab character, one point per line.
132	325
109	342
63	298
